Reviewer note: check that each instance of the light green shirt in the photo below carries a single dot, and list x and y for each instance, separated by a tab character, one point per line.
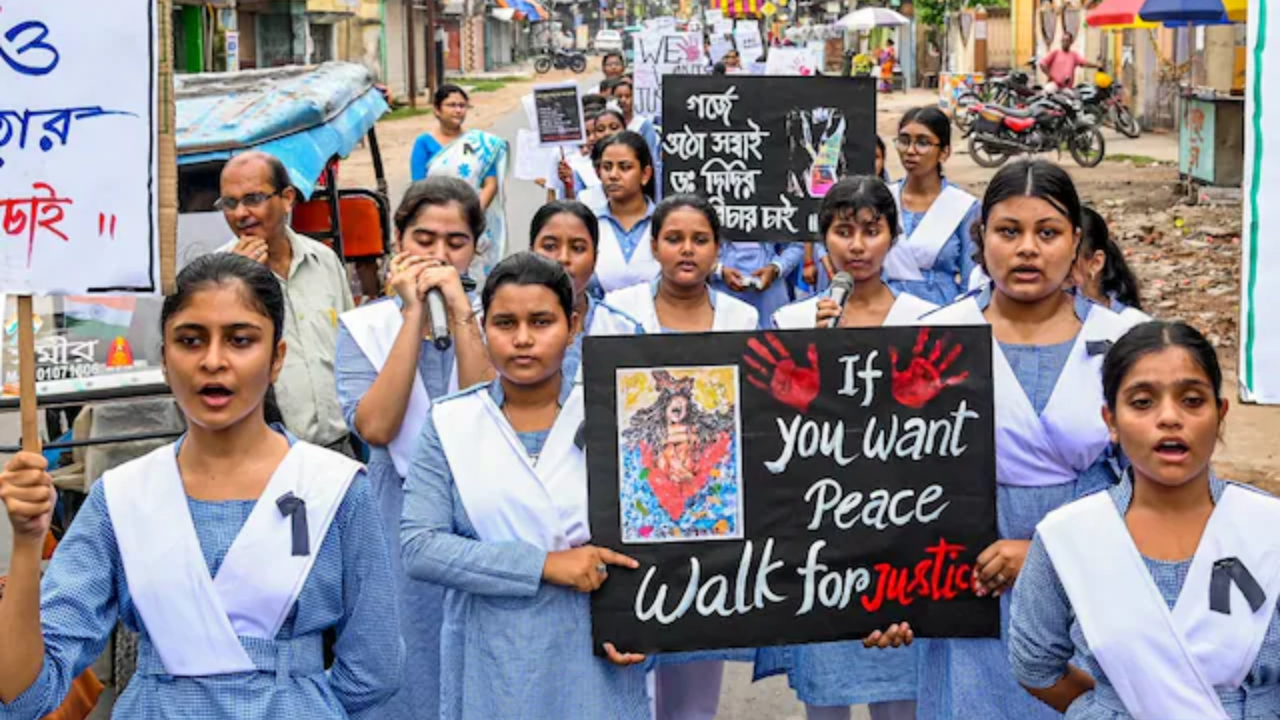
316	293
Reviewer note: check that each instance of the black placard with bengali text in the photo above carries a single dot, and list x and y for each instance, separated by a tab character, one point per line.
766	149
821	484
558	109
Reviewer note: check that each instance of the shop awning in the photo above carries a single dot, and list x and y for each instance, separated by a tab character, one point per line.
738	8
531	9
1118	15
1190	12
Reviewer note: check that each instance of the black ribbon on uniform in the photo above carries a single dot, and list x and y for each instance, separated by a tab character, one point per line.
1097	347
1225	572
580	437
296	507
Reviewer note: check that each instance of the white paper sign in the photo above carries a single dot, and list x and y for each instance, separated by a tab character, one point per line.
533	161
750	44
720	46
659	54
790	61
79	186
714	16
665	23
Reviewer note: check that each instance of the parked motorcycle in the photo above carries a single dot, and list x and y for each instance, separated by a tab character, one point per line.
560	59
1050	122
1103	102
1011	90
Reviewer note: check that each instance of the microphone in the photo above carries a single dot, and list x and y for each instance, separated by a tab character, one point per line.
841	286
438	316
439	319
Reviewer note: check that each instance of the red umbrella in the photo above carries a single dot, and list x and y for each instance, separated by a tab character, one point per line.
1117	14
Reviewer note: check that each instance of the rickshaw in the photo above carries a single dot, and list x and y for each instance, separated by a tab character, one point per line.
99	378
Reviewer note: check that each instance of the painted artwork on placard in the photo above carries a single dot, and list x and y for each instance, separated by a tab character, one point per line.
680	451
815	143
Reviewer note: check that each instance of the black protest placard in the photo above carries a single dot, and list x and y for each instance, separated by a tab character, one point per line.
558	109
765	150
790	487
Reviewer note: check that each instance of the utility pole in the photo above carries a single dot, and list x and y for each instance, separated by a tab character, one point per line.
412	55
432	71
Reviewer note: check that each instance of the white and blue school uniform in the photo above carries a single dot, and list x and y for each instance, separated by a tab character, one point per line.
602	319
637	303
1147	630
1051	448
933	259
481	524
365	338
747	258
587	186
705	668
845	673
1125	311
803	315
231	599
625	257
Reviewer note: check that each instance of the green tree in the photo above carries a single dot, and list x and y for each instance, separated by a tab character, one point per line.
934	12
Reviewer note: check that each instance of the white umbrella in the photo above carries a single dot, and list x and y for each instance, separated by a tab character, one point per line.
873	17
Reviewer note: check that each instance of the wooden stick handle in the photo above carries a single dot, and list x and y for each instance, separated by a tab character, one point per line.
27	375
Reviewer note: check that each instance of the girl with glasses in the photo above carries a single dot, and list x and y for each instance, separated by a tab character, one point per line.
935	257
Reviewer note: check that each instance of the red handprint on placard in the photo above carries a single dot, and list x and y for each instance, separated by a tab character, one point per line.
691	49
921	380
782	377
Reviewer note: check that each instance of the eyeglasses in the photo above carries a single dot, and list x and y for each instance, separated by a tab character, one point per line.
919	144
252	201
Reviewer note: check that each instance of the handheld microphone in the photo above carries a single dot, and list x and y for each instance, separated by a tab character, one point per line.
841	286
439	316
439	319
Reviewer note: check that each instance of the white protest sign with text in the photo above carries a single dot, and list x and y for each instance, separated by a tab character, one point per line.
659	54
79	180
790	61
750	44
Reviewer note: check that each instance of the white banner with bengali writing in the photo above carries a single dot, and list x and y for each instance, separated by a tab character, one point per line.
79	189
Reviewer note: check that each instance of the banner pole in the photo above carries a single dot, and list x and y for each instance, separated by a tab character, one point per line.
27	402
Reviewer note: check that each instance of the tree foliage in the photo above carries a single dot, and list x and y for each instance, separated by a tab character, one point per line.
934	12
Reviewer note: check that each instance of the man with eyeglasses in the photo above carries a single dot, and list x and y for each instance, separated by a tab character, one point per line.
256	200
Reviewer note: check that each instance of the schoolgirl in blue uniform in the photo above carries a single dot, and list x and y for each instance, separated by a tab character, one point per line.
232	552
1155	598
568	233
1051	443
857	220
496	512
934	259
389	370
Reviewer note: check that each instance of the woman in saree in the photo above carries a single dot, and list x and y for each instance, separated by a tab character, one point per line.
475	156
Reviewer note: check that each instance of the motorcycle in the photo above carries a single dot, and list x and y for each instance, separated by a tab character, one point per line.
1048	123
1103	102
561	59
1012	90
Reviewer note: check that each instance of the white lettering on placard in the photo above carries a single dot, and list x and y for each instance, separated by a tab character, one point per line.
882	508
712	597
714	106
834	590
868	375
